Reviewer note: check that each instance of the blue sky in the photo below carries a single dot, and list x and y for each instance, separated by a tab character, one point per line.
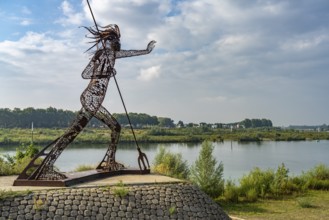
214	61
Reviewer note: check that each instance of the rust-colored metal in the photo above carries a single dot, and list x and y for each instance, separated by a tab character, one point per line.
99	70
78	178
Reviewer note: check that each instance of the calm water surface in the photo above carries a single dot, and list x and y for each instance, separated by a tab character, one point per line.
238	158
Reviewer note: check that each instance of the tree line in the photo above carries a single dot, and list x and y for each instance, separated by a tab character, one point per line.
58	118
256	123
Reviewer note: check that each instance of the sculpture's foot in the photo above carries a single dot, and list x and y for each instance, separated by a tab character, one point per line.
110	166
51	175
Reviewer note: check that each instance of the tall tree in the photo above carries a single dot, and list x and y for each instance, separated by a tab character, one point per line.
206	173
166	122
247	123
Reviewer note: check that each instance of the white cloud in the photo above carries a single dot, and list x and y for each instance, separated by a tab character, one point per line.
273	8
26	22
305	42
71	17
149	73
41	71
26	10
136	18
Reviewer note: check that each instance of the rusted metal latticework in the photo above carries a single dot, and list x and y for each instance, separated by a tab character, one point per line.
99	70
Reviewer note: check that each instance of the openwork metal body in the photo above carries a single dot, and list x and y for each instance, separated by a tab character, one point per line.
99	70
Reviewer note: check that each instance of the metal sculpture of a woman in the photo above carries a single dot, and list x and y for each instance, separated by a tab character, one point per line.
99	70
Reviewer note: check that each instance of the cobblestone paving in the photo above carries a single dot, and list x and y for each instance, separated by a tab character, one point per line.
159	201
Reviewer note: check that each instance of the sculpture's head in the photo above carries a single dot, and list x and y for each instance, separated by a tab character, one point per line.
109	34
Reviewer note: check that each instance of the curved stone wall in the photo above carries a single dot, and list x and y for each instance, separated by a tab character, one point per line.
157	201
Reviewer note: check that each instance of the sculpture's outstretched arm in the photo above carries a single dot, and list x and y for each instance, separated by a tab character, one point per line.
93	65
130	53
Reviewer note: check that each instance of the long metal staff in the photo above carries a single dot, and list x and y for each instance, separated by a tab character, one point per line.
141	154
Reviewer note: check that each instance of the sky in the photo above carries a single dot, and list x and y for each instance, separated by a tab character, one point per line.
214	60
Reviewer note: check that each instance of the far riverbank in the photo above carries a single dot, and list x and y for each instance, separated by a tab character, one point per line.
41	136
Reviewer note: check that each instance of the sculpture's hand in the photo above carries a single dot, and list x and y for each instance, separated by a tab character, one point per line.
151	45
130	53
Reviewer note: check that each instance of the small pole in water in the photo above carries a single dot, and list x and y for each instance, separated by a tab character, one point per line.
231	137
32	133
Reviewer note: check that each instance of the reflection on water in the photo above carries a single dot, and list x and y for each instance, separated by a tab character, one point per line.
238	158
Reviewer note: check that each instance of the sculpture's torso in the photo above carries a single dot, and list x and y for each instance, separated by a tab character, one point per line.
99	70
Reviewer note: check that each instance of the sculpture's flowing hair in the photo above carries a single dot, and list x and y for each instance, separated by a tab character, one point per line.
105	33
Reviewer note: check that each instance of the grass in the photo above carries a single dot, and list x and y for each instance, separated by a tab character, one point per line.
172	210
84	167
105	188
313	205
120	190
39	204
305	203
4	194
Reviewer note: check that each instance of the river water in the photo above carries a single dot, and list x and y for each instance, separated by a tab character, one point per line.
238	158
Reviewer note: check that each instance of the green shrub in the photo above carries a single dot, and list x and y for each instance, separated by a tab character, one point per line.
13	165
206	173
26	151
20	165
258	180
170	164
292	187
280	184
267	184
271	184
318	177
231	192
318	184
300	183
251	195
320	172
5	168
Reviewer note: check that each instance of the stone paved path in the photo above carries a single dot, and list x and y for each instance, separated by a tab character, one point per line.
156	201
121	197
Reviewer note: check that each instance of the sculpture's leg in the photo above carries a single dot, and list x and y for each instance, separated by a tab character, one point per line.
46	170
109	163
